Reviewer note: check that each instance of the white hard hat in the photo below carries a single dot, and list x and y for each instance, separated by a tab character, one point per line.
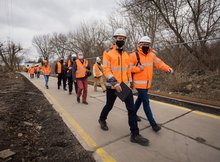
74	55
98	59
120	32
145	39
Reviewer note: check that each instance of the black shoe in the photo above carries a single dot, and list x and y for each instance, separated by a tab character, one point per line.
139	140
58	87
70	93
78	99
47	87
156	128
103	125
138	119
85	102
65	89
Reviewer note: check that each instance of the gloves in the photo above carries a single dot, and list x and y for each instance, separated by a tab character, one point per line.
112	81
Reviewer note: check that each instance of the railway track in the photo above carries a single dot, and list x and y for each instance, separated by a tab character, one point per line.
181	101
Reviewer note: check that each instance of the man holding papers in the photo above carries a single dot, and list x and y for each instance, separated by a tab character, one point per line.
116	70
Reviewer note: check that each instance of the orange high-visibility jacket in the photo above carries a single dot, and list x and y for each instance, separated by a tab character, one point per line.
59	68
143	79
46	70
81	68
96	70
31	70
37	68
116	65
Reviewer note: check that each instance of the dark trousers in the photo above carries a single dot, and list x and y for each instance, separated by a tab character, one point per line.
129	102
60	78
143	97
76	87
70	84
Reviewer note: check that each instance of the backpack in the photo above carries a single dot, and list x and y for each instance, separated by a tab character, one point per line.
138	62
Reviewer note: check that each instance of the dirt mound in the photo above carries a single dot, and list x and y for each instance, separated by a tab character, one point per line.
197	84
31	128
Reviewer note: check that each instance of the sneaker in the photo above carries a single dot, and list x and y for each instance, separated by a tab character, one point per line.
70	93
156	128
78	99
138	119
47	87
85	102
65	89
139	140
103	125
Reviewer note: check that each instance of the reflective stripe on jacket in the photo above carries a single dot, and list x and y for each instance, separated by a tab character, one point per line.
96	70
143	79
46	70
81	68
116	65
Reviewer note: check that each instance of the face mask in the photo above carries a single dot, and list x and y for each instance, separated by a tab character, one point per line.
120	43
61	61
145	49
74	59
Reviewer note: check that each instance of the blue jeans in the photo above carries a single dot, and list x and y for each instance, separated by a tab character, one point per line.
143	97
129	103
46	79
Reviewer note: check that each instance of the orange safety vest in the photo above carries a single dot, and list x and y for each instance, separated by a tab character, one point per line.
143	79
116	65
69	64
81	68
96	70
37	68
31	70
59	68
46	70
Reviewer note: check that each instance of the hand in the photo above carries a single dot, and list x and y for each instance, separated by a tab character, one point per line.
118	88
141	67
170	70
70	68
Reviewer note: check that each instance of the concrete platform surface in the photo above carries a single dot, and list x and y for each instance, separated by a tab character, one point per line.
186	135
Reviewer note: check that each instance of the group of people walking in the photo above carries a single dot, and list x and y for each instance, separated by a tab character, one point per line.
134	70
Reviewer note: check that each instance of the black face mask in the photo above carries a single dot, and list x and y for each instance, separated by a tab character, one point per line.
61	61
145	49
74	59
120	43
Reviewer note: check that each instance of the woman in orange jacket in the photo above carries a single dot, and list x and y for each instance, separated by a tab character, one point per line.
46	70
142	63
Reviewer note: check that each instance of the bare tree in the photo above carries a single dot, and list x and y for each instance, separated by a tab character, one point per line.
58	44
9	54
43	46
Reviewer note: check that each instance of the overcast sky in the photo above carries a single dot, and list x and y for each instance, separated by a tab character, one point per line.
20	20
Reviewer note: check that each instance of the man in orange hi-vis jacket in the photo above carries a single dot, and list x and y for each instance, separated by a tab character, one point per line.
142	63
31	71
116	70
98	74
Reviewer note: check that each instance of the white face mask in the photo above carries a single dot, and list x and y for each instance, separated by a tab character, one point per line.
80	57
